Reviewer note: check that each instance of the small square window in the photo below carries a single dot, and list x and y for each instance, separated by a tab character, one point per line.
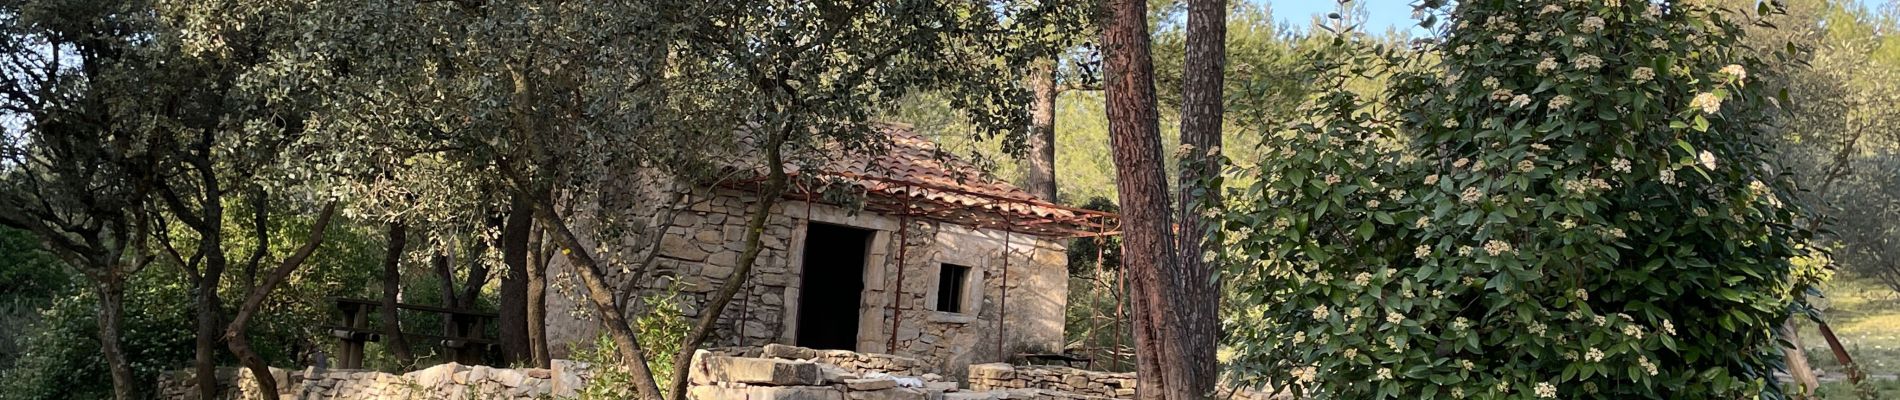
950	278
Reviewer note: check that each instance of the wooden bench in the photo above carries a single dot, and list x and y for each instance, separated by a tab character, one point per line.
1067	359
463	336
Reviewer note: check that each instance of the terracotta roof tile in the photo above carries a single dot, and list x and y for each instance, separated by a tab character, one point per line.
912	170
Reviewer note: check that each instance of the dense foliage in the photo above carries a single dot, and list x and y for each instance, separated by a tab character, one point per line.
1558	199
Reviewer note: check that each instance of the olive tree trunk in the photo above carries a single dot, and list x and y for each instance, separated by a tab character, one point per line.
513	304
392	288
537	310
234	336
111	324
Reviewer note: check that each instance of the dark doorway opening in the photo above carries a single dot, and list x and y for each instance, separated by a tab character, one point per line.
831	287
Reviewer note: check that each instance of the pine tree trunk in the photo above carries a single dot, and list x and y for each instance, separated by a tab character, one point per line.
1042	130
111	326
1201	119
392	287
1148	242
513	305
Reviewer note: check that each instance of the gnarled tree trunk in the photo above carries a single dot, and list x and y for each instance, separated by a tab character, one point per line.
537	310
111	323
392	287
234	336
601	295
513	305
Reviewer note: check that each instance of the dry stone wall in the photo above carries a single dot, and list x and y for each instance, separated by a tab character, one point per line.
447	381
778	372
1051	381
1119	385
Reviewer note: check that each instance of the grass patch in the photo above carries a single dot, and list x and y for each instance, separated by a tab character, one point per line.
1866	318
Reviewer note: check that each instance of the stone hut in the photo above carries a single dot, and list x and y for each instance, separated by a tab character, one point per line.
934	261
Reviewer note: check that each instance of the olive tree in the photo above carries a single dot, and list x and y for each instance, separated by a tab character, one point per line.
564	103
75	171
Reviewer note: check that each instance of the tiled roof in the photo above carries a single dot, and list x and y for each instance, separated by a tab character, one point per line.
911	172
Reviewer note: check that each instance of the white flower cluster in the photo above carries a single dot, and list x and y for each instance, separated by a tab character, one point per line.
1587	62
1559	102
1735	72
1501	95
1591	24
1549	64
1585	186
1306	375
1643	74
1708	102
1496	247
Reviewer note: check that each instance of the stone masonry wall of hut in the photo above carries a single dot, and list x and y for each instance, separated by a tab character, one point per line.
701	248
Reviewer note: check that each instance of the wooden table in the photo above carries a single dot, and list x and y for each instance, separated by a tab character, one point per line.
462	336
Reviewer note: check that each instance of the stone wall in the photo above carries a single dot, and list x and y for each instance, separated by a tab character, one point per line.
699	250
447	381
793	373
1064	382
1120	385
854	362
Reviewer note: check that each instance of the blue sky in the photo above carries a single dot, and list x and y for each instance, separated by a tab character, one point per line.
1380	14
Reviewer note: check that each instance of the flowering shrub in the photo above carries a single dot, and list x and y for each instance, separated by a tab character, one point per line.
1567	199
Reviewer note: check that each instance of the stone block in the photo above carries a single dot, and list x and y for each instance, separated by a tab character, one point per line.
878	383
972	396
998	371
762	371
776	350
833	374
711	392
677	246
895	393
941	386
